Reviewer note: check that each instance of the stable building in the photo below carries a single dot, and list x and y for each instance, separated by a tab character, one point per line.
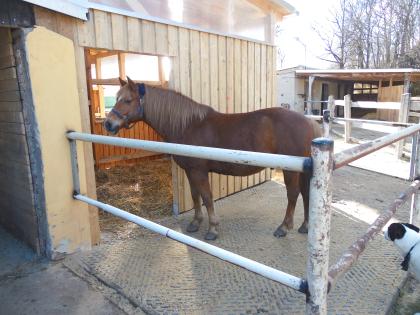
59	68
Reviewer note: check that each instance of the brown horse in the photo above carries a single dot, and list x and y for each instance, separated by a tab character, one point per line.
178	119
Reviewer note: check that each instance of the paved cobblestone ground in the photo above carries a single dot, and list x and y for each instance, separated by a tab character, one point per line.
160	276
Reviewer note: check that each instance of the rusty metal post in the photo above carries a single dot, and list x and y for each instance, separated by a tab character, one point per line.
415	200
413	157
403	118
347	114
331	105
326	122
319	225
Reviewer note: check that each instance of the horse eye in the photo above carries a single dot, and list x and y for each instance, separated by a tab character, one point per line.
127	101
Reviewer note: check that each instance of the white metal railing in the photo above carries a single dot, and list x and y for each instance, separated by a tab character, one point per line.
293	163
322	163
287	162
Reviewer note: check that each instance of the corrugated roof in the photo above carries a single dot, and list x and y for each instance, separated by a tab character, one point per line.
363	74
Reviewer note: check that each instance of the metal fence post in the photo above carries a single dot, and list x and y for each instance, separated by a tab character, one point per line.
415	163
403	118
331	105
326	122
319	225
74	167
347	114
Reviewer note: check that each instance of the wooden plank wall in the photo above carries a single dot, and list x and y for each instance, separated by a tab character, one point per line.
17	211
231	75
389	94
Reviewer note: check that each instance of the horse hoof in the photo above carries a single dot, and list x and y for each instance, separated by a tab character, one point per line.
280	232
210	236
191	228
303	229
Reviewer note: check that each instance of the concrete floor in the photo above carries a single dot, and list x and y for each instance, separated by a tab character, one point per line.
145	273
29	285
159	276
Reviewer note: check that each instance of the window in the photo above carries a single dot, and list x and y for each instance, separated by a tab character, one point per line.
365	88
142	67
107	66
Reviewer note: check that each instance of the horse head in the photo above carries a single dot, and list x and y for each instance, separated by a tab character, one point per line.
129	107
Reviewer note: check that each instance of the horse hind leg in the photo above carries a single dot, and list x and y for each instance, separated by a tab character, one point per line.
200	181
291	180
304	189
194	225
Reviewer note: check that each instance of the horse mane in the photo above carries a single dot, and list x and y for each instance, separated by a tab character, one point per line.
172	112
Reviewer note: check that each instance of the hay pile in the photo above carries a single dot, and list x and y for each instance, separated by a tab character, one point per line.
144	189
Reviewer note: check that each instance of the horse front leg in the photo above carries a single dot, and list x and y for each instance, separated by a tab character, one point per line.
199	182
291	180
194	225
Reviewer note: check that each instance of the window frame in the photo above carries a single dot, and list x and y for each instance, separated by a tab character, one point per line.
94	58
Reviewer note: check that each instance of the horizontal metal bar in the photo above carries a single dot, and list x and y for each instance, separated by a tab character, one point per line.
286	162
251	265
374	122
347	156
314	117
371	104
350	256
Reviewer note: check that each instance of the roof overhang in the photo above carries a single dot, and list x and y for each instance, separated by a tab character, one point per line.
363	74
285	7
75	8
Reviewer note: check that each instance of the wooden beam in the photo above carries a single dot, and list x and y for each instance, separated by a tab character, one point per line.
121	65
14	13
100	88
116	81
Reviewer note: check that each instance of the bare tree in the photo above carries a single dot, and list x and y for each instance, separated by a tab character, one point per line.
336	38
373	33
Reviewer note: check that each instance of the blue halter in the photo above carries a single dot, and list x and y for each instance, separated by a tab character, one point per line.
140	109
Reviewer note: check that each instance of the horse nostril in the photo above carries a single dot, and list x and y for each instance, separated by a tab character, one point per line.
107	125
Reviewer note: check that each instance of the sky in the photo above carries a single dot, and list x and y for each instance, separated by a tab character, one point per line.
296	32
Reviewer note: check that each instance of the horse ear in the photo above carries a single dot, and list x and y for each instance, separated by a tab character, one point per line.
122	82
131	84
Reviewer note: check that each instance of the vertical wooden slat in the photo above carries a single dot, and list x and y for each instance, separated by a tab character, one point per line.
244	85
174	83
88	148
273	79
222	72
148	37
103	34
257	87
270	79
237	92
195	66
119	32
230	90
134	34
173	48
204	59
263	83
161	39
184	61
86	32
214	96
251	89
185	85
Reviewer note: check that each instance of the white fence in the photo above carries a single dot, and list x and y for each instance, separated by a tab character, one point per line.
320	278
